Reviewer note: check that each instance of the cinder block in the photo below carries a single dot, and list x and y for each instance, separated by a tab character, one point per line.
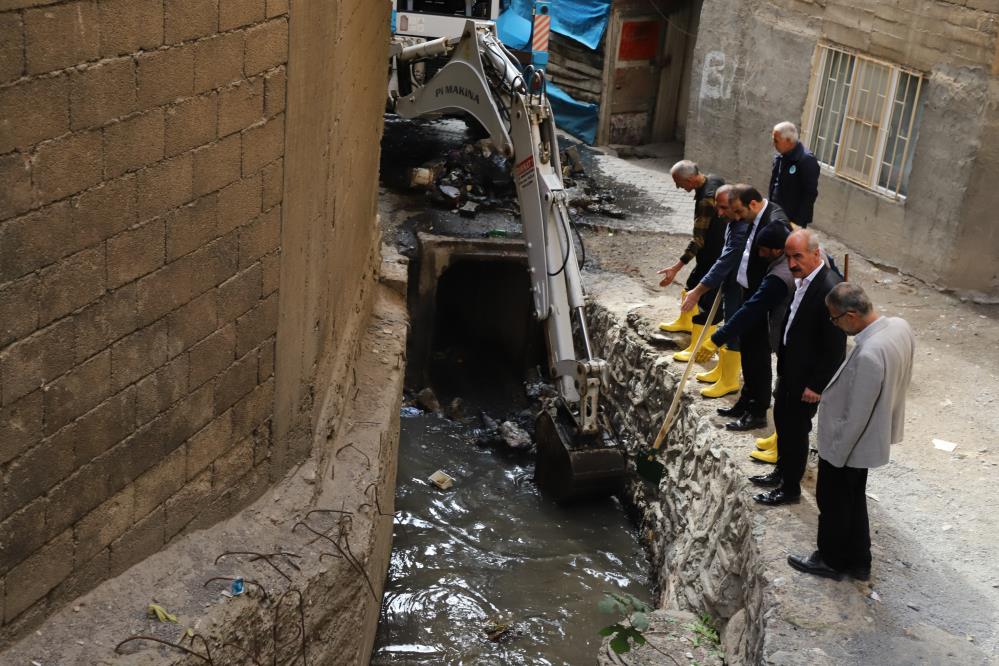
193	322
101	428
265	363
191	226
189	19
11	47
67	165
87	574
103	211
208	444
256	325
275	85
240	105
61	36
273	184
235	382
271	264
124	462
15	174
239	203
34	240
133	143
102	92
139	354
232	465
18	309
216	165
276	8
20	534
76	392
106	321
34	473
212	355
188	417
159	391
159	483
33	110
253	410
140	541
31	580
164	186
135	252
107	522
187	503
237	13
20	426
260	237
71	283
127	26
239	293
262	144
218	61
266	46
69	501
165	75
191	123
28	363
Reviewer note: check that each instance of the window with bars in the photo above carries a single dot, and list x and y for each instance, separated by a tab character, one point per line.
864	119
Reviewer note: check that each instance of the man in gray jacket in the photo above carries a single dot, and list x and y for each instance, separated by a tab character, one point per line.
861	415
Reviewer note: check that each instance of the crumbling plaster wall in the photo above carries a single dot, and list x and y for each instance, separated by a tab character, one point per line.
752	67
167	212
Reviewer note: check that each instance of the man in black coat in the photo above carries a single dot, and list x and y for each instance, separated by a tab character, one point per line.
794	179
751	409
811	348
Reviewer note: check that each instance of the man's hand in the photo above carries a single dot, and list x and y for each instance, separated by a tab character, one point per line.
690	301
669	273
810	396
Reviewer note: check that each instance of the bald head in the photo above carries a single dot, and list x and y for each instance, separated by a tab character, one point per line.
803	253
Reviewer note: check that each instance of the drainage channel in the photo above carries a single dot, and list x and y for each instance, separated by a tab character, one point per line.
493	554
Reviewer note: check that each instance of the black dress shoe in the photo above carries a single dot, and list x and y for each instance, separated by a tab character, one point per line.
771	480
735	411
814	565
747	422
776	497
860	573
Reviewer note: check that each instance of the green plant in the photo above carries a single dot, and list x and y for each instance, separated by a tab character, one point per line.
705	629
636	620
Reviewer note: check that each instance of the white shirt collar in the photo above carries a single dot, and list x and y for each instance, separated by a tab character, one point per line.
798	282
756	220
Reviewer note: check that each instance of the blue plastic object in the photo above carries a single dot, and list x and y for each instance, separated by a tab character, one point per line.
579	119
582	20
237	588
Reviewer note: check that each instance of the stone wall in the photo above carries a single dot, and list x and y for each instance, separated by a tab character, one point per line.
696	525
153	246
752	67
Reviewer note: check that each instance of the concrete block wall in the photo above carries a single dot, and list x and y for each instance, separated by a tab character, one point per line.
752	67
141	193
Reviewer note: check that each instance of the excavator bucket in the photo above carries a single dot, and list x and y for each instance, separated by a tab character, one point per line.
571	465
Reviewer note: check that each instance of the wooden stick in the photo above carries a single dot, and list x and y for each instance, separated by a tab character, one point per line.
674	408
846	268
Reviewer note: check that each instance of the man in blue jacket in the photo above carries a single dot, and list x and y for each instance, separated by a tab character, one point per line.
794	180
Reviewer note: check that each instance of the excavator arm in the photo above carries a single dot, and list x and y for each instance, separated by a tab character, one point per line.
481	78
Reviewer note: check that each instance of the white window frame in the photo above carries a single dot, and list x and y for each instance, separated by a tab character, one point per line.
871	181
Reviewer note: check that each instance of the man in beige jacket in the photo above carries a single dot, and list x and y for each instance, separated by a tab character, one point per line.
861	415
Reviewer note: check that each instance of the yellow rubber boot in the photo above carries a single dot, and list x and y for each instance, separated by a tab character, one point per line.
767	443
684	356
684	322
730	363
769	457
711	376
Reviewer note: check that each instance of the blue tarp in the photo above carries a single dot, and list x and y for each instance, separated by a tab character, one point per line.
579	119
582	20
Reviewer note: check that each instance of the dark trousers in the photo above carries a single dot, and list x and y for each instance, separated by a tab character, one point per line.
844	530
757	376
707	298
793	420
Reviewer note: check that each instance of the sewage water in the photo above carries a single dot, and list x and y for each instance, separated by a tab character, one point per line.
493	550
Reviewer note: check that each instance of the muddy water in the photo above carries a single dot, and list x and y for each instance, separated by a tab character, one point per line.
492	550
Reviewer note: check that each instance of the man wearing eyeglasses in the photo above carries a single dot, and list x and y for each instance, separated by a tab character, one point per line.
860	417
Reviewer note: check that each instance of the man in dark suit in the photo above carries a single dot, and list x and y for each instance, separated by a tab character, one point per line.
794	178
811	349
751	409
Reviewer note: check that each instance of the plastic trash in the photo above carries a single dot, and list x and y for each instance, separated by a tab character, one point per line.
162	614
411	411
944	445
442	480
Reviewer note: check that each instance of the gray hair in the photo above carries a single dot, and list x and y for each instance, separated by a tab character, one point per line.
786	130
684	169
849	297
725	189
811	240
